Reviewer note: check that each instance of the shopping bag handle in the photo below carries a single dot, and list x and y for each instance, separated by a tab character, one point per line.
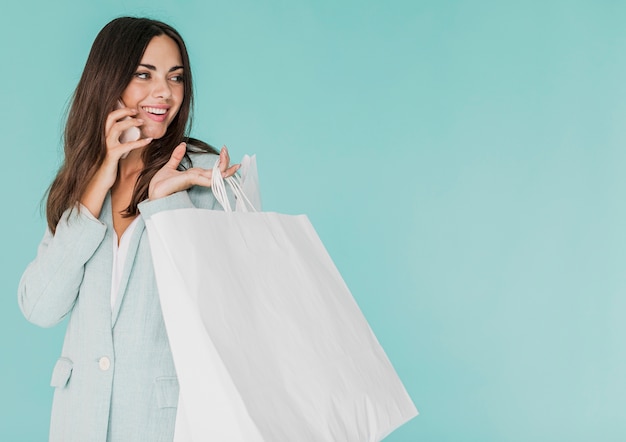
219	190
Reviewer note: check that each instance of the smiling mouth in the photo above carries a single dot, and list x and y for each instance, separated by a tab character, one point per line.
155	110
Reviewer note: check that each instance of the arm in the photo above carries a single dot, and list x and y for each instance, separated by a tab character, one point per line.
50	284
117	122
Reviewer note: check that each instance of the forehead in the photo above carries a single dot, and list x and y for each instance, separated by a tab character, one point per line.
162	50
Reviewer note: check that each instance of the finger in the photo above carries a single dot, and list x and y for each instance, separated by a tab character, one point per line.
124	149
200	177
117	115
224	159
177	156
118	128
190	177
114	134
126	124
231	170
115	131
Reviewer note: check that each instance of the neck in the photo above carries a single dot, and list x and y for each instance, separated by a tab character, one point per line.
131	166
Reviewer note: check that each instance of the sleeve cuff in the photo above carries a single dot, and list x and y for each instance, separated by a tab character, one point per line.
78	221
87	213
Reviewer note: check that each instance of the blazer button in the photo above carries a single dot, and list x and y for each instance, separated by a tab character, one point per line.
104	363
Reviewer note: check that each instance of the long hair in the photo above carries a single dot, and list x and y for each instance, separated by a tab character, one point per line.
115	54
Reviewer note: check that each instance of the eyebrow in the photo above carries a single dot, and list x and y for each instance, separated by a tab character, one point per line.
153	68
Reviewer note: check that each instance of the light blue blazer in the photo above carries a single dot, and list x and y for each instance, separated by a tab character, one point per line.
115	379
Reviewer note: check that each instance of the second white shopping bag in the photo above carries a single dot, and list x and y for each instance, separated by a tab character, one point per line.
269	344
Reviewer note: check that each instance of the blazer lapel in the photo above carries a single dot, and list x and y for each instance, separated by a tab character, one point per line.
128	267
106	217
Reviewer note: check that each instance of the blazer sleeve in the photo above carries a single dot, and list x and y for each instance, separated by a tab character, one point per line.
50	284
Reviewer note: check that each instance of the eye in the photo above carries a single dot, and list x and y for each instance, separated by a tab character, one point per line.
178	78
142	75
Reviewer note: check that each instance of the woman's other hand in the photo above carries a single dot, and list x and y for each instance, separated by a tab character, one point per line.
170	180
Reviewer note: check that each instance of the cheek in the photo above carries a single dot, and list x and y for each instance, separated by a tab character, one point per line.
130	99
134	93
180	105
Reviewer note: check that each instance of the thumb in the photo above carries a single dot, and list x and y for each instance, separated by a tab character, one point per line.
177	156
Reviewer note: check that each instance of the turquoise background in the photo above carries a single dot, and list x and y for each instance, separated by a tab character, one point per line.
462	161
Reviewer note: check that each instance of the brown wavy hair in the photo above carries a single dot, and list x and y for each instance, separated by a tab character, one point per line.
115	54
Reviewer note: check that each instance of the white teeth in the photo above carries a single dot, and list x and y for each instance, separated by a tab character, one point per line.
154	110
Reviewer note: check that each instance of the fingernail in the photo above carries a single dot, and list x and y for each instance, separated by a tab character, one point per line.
139	120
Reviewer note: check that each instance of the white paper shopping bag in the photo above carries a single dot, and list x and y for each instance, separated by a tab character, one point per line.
209	406
249	184
294	357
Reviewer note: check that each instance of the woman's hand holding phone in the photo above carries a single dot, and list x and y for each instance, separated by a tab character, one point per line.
132	133
120	125
122	132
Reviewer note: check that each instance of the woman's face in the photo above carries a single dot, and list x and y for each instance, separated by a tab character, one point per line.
156	90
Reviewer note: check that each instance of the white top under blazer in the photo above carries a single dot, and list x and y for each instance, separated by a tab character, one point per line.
119	258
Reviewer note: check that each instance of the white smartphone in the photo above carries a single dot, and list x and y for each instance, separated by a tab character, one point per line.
130	134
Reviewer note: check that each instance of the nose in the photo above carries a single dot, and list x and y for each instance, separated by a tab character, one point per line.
161	89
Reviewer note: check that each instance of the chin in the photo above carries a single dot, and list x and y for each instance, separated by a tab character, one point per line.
154	133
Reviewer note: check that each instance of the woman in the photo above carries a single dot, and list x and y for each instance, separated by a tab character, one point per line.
115	379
